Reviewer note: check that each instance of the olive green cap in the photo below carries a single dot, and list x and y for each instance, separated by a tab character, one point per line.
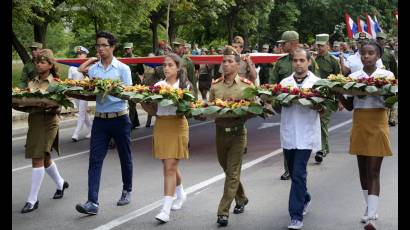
336	43
381	35
178	41
36	45
321	39
229	50
290	36
128	45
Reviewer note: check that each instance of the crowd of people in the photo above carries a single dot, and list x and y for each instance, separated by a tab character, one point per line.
303	130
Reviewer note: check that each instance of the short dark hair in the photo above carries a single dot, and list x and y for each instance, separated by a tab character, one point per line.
112	41
372	42
301	50
229	50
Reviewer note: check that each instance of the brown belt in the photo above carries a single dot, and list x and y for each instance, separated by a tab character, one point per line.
110	115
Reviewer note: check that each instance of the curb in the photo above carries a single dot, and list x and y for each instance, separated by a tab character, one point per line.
18	116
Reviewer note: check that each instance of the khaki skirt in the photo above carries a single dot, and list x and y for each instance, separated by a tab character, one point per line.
370	133
42	135
171	136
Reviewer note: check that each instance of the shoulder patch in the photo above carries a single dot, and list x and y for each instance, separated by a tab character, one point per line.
246	81
214	81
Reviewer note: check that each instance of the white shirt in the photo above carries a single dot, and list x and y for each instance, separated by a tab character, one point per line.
354	62
168	110
74	74
369	102
300	125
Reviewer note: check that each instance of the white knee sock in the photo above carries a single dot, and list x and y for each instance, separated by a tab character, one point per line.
167	204
180	191
372	203
37	176
365	194
52	171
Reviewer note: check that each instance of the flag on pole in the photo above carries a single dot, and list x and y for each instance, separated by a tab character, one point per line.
351	26
371	26
379	28
361	24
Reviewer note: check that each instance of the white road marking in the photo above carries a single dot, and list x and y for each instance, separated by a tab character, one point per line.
87	151
139	212
268	125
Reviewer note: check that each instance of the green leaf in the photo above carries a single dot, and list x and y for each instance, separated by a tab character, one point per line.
334	84
240	111
289	98
394	89
390	101
349	85
224	110
165	102
371	89
211	109
322	82
250	93
197	111
264	91
317	100
305	102
282	96
255	109
359	85
155	97
189	97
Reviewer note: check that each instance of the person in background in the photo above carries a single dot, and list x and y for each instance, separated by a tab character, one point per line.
29	69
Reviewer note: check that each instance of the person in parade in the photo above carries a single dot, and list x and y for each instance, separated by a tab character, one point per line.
29	69
171	136
42	135
369	139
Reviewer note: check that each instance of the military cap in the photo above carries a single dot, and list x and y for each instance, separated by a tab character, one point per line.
265	46
187	45
46	54
36	45
381	35
79	49
204	49
238	39
179	41
290	36
128	45
336	43
362	36
219	49
229	50
321	39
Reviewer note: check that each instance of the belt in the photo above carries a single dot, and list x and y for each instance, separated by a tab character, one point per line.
233	129
110	115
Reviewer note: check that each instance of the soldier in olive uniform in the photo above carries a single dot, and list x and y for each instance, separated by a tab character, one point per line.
266	68
389	61
283	69
29	69
328	64
188	65
231	135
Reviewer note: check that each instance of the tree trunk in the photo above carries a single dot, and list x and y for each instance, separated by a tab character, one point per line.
245	39
21	51
172	33
154	29
40	31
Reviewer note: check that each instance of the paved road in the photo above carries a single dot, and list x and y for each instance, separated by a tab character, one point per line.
337	198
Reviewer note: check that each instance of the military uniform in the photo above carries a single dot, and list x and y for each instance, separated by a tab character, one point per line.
231	139
327	65
29	70
189	67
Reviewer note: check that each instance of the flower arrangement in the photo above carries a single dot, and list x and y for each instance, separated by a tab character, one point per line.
28	97
229	108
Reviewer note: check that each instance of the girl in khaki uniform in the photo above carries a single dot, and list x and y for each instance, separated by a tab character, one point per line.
171	135
42	135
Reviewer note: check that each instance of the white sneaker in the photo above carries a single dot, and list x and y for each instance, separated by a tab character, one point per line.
295	224
370	225
162	217
305	208
88	136
178	202
365	218
74	137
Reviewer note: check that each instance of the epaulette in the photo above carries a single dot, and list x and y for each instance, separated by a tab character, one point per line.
245	80
214	81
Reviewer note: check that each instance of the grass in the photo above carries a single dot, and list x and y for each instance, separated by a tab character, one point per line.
16	69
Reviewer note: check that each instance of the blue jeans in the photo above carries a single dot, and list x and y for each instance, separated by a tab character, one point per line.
102	131
297	162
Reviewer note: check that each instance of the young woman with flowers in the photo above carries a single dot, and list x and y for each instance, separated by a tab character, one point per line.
369	139
171	135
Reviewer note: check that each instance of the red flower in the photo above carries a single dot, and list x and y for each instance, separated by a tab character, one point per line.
295	91
285	90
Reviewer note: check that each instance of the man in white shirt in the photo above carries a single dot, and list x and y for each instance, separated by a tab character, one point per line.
82	105
300	135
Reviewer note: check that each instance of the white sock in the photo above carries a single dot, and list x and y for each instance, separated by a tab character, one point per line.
180	191
372	203
37	175
52	171
365	194
167	204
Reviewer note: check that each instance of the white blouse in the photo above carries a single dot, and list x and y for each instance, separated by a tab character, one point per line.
74	74
300	125
168	110
354	62
369	102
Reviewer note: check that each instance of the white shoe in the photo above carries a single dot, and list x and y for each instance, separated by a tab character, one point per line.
295	224
74	138
305	208
178	202
162	217
365	218
88	136
370	225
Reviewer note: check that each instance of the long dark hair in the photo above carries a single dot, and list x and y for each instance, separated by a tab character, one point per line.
181	75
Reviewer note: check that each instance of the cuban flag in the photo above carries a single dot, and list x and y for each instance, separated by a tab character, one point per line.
379	28
361	24
372	27
351	26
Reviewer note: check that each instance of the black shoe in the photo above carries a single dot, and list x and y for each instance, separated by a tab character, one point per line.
245	150
28	207
319	157
222	221
125	198
285	176
392	123
240	208
60	193
74	139
87	208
